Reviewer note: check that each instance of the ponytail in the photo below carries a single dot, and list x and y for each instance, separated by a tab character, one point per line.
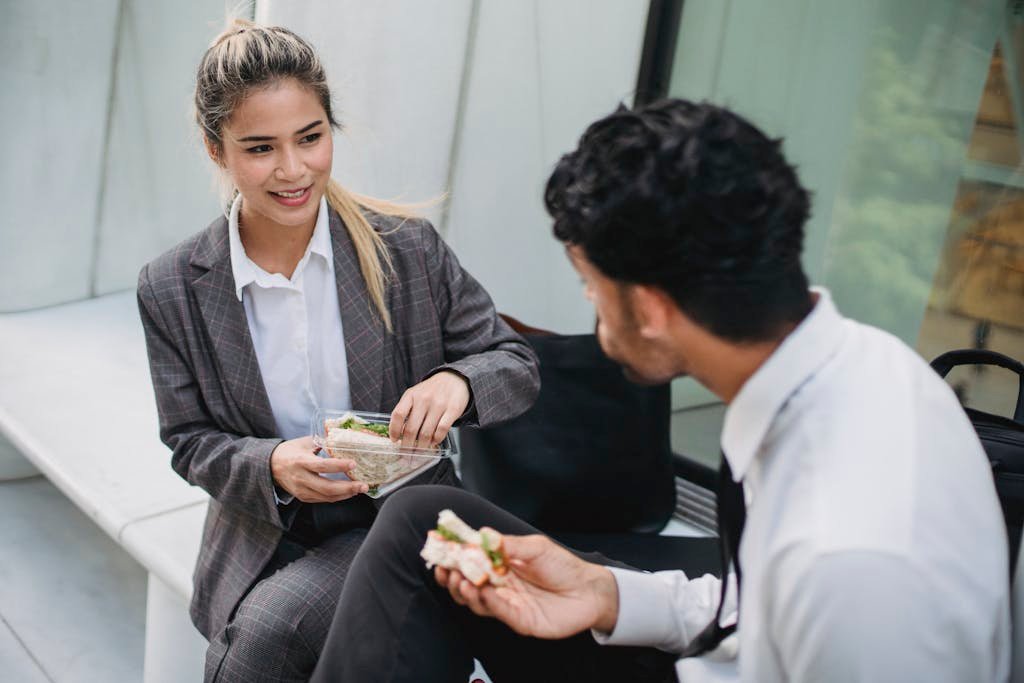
374	258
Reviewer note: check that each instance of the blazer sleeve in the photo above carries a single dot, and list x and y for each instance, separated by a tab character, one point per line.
234	469
499	365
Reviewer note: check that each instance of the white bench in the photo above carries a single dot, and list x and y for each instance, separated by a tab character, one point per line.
76	401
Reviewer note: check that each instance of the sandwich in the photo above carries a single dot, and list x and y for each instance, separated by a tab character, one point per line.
477	555
378	459
353	428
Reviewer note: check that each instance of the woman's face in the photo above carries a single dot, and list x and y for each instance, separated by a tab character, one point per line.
277	148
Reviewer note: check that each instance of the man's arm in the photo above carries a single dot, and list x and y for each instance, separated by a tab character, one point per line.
664	610
865	616
551	593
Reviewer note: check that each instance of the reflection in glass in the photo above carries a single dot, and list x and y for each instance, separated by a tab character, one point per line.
903	119
978	295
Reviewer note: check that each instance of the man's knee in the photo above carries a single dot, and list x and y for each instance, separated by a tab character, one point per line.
414	509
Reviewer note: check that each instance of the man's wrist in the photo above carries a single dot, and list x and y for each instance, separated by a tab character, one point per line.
606	595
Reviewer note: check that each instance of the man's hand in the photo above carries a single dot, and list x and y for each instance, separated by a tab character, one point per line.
550	593
296	468
428	410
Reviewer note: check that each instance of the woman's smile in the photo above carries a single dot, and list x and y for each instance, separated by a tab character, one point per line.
296	197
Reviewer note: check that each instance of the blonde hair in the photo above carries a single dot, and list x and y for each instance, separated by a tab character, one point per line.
247	56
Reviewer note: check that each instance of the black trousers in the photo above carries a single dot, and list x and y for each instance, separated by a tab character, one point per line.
394	623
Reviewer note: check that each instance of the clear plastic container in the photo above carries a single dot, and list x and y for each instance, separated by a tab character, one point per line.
380	462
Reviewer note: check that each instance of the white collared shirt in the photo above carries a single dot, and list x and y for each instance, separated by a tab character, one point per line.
874	547
296	328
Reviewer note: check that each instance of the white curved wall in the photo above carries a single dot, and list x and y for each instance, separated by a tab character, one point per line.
539	72
55	63
81	217
57	243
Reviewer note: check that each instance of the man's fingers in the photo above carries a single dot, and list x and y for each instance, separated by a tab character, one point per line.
473	597
441	575
526	548
454	580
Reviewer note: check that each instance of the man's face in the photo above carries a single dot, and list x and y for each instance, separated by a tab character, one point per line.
645	355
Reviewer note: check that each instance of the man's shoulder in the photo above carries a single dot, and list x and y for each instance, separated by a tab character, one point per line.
863	437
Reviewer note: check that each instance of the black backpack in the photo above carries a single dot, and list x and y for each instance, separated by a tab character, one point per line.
1002	438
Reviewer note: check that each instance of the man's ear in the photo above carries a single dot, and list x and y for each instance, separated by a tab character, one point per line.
652	308
213	151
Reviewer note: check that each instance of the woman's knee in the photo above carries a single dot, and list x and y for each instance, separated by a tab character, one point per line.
268	633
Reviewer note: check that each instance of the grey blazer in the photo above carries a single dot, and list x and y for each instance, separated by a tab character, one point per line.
215	415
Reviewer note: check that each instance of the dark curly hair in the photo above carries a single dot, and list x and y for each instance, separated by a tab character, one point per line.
695	200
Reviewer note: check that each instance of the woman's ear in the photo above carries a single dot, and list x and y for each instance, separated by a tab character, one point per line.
213	151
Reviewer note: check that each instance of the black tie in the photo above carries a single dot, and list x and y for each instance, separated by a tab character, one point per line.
732	513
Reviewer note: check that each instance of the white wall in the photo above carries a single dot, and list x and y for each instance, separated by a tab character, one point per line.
160	184
55	60
57	243
82	218
394	67
539	72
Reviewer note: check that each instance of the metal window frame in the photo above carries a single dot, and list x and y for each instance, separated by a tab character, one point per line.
652	83
659	49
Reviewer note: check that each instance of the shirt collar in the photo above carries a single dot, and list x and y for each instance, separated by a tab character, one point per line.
751	413
246	272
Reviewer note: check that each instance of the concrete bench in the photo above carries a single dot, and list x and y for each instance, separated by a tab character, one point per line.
76	402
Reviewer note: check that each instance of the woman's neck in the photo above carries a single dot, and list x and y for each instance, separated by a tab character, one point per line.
274	248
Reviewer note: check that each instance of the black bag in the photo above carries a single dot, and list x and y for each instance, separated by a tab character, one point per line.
591	455
1002	438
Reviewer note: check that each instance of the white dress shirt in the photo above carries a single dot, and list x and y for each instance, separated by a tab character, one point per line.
874	547
296	328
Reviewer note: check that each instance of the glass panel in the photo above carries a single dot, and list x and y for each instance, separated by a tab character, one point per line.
903	119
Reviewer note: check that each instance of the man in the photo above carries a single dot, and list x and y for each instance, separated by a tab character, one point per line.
873	548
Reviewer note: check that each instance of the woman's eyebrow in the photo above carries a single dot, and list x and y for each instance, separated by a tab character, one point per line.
307	127
267	138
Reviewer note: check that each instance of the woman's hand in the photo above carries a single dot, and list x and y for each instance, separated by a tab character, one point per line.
550	593
296	468
428	410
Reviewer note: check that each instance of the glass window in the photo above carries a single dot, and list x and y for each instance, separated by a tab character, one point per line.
902	119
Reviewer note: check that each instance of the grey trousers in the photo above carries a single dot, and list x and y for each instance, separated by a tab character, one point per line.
278	630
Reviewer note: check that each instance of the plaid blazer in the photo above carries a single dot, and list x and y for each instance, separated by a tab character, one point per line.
214	412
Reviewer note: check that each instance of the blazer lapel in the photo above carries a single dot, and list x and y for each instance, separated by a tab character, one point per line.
363	328
224	318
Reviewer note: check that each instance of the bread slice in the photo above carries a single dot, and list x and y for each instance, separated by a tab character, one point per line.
477	555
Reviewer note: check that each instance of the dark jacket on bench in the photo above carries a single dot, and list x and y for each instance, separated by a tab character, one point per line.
214	411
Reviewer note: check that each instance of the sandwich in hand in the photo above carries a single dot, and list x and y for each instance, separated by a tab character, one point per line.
378	459
477	555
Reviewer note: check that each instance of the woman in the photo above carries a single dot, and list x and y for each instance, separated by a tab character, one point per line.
302	297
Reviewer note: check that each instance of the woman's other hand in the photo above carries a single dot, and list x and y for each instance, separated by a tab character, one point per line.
428	410
296	468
